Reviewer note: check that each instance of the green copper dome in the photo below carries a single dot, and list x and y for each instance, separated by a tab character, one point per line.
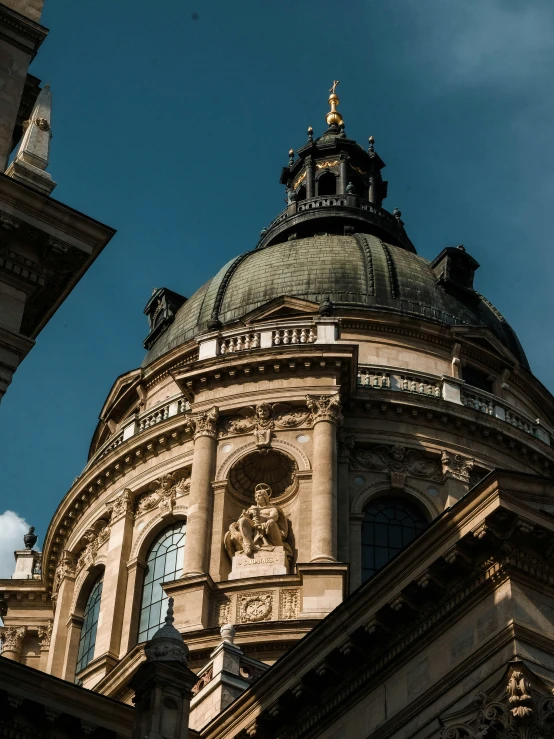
358	271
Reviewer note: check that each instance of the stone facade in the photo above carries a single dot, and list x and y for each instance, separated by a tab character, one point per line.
270	428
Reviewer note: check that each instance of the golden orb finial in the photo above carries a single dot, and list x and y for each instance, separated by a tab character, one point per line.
333	116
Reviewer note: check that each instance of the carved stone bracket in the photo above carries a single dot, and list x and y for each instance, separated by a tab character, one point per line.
457	466
324	408
45	635
262	420
121	506
65	568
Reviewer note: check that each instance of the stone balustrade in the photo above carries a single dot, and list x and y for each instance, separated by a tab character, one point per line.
295	335
142	422
452	390
239	343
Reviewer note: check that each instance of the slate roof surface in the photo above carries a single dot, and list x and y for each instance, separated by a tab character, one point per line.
359	271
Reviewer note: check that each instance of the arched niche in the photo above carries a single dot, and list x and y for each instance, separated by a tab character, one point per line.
382	488
326	183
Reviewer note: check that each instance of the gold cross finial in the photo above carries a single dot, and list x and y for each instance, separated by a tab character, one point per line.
333	117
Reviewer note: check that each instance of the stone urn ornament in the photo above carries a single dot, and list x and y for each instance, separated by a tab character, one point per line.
30	538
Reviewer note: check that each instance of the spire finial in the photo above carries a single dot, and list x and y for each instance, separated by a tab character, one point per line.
333	117
169	615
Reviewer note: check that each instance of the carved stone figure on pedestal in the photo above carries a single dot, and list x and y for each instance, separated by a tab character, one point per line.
261	528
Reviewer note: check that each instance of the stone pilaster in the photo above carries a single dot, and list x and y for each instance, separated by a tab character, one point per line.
326	414
201	493
12	638
44	639
64	585
345	444
110	624
456	470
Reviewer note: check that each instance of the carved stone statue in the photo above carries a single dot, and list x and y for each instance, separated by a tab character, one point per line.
263	526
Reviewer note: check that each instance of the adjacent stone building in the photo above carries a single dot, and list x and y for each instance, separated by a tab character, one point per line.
45	246
335	467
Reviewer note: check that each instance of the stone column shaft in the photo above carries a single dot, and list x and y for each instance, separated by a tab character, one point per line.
201	494
309	179
65	585
326	414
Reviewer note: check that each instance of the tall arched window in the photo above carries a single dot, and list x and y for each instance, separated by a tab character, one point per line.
164	563
87	641
389	525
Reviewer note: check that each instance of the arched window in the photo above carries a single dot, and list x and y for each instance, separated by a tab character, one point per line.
87	641
164	564
327	184
389	525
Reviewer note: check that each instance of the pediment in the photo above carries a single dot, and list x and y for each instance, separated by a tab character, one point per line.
119	389
483	338
281	307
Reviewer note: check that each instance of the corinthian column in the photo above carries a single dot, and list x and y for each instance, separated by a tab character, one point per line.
325	410
12	641
201	494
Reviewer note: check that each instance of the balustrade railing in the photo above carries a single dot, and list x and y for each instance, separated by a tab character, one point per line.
142	422
390	378
295	335
239	343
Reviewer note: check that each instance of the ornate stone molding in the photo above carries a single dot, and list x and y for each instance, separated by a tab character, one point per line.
121	506
324	408
95	536
456	466
254	607
398	459
521	709
12	638
289	604
262	420
345	445
163	493
45	635
205	424
65	568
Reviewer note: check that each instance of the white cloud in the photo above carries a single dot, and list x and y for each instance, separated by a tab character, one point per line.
12	529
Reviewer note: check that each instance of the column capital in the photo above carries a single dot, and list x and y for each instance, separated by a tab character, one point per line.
456	466
205	424
65	569
324	408
45	635
12	638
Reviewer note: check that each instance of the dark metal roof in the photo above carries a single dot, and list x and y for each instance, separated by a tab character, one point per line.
359	271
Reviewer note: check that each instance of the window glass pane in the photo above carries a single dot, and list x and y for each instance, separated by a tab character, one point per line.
87	640
389	525
164	563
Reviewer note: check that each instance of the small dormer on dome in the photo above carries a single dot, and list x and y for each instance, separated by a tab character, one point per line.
334	186
161	310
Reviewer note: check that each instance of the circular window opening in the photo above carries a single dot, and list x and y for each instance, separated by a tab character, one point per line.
270	467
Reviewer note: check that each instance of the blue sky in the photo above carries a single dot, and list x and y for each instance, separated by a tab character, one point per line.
171	123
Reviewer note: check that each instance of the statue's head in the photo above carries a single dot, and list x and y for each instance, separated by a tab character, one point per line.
263	411
262	494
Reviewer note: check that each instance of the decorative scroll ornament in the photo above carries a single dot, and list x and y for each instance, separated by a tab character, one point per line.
521	713
45	635
262	527
98	534
456	466
12	638
164	492
203	680
205	424
121	506
397	459
263	419
65	568
324	408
